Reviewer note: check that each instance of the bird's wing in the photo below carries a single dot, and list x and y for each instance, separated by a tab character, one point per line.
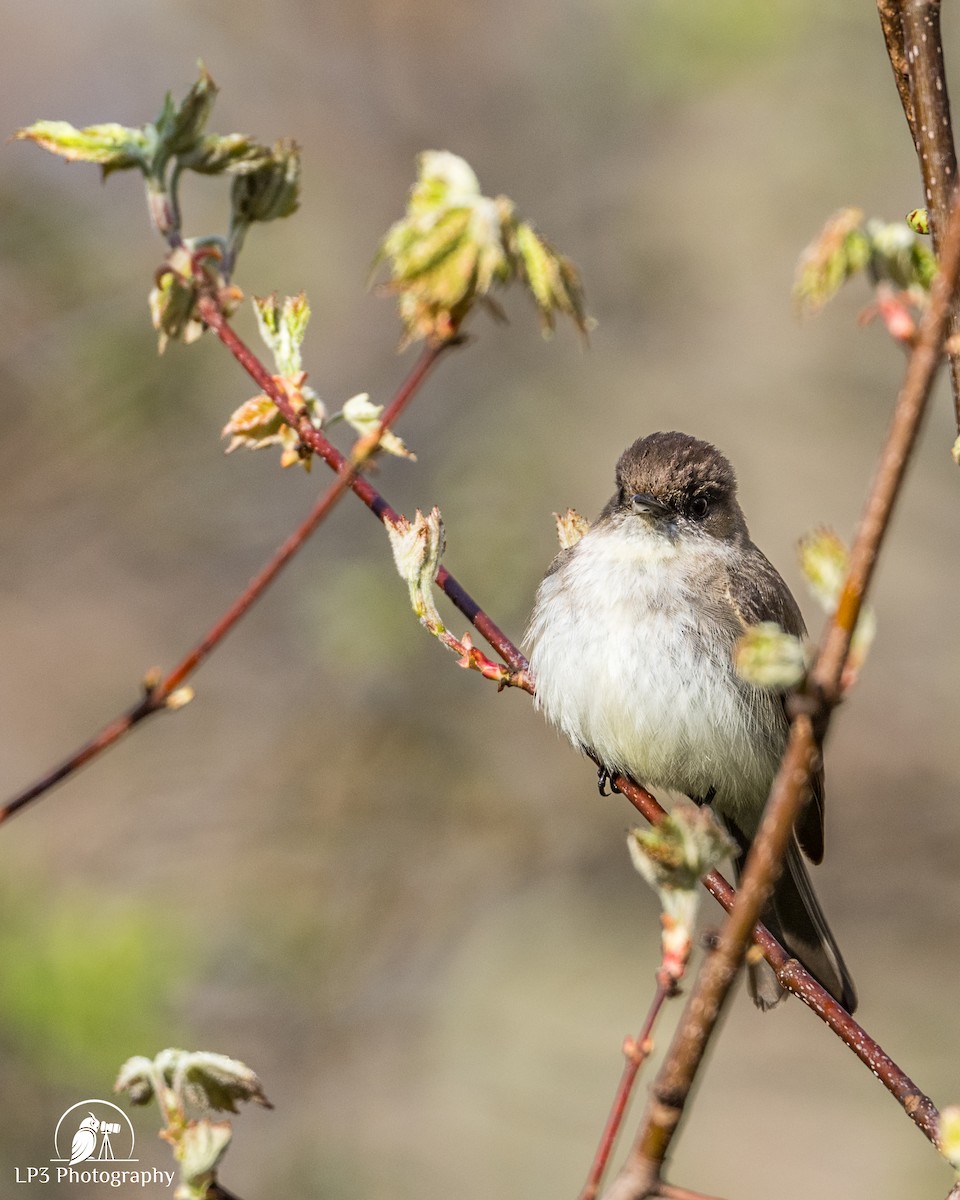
757	594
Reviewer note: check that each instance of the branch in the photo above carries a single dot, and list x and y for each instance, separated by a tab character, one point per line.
158	695
911	30
917	1105
669	1191
891	23
641	1174
162	694
636	1051
361	487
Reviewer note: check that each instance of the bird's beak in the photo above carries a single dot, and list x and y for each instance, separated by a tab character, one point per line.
645	505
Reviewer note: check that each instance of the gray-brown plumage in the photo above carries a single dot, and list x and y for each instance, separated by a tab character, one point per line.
631	644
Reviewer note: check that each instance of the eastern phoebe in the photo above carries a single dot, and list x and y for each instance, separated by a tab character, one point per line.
631	643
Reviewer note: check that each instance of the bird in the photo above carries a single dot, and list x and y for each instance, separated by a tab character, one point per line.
631	643
84	1140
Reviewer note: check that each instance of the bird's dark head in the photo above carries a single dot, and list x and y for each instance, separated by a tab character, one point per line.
672	479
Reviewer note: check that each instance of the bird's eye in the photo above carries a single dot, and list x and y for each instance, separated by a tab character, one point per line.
699	506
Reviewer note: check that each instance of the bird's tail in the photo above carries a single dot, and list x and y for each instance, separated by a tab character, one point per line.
794	917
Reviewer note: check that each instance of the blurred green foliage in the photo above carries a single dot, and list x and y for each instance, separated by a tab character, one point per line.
87	980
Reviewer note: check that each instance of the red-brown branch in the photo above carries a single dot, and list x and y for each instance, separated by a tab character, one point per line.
917	1105
635	1051
641	1173
157	694
321	445
911	31
670	1191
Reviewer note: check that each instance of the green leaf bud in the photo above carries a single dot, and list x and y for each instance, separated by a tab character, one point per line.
768	657
179	126
270	190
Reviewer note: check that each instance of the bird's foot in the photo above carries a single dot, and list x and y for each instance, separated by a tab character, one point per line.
605	779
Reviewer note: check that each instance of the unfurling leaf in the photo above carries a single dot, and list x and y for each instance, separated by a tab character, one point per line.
847	244
212	1080
283	328
364	417
899	256
197	1077
672	857
417	549
200	1148
173	300
176	132
571	527
255	424
113	147
454	245
265	181
838	251
271	189
258	423
768	657
553	279
189	267
180	1079
138	1078
179	126
448	249
824	561
232	153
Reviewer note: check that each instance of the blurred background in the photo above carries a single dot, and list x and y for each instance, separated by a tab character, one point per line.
388	889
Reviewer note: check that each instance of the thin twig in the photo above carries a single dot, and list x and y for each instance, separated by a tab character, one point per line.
670	1191
157	694
321	445
911	31
642	1171
257	586
635	1051
917	1105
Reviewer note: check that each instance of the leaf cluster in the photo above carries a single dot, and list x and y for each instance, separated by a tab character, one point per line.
454	246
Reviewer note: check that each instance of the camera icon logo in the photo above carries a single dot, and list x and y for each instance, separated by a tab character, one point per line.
96	1131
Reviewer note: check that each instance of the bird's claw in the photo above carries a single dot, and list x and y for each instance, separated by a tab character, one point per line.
605	779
